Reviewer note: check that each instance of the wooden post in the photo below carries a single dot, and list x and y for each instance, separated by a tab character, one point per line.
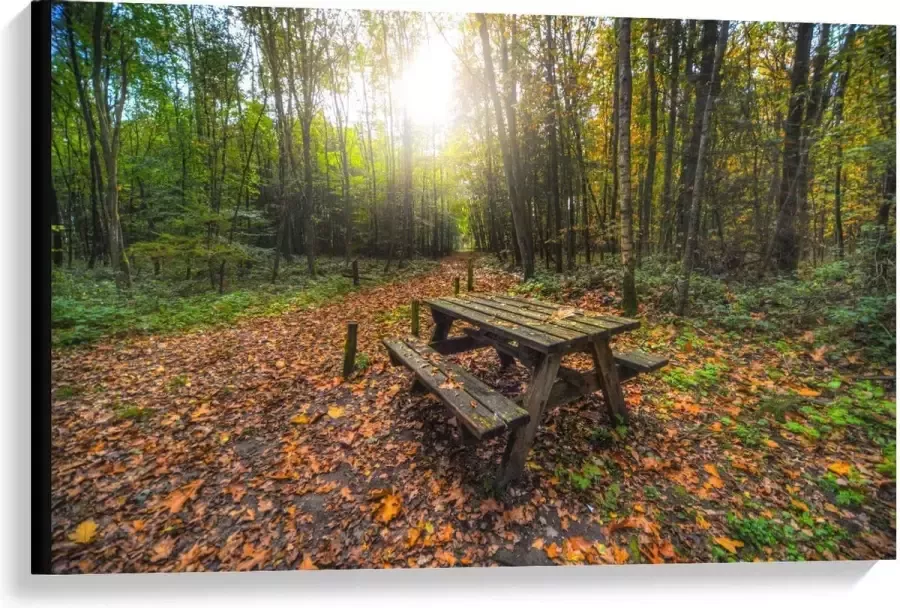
350	349
470	279
456	286
355	273
415	317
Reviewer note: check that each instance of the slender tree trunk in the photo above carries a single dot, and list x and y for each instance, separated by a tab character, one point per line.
667	214
784	250
687	261
838	120
646	203
520	220
629	294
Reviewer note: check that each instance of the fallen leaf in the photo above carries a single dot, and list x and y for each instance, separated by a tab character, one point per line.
389	509
446	558
807	392
701	521
731	545
162	549
840	468
538	544
307	563
335	412
552	551
84	533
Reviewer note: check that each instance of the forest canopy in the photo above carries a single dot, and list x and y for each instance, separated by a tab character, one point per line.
204	139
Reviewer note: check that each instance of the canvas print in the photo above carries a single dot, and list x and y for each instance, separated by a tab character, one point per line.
341	289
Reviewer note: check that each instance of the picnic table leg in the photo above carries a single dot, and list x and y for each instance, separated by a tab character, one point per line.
608	376
520	440
442	325
505	360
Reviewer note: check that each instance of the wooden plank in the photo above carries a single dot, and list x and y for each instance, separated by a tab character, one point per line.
614	324
506	409
469	411
541	325
640	361
573	323
521	439
534	339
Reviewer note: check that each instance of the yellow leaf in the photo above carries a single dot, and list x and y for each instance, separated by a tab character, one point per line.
84	533
731	545
389	509
840	467
280	364
412	535
429	527
224	437
701	521
538	544
335	411
770	443
711	469
799	505
307	563
300	419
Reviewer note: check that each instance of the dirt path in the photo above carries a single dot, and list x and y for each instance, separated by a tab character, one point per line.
240	449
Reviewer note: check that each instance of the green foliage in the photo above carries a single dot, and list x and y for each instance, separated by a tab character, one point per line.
702	379
86	305
133	412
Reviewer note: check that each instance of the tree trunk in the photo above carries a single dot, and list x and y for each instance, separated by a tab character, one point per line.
838	120
643	248
784	249
629	295
687	261
553	167
667	215
110	124
521	221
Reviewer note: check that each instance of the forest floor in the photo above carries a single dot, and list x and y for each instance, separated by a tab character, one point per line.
240	448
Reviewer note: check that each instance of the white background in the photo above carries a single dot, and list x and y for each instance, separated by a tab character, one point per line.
844	584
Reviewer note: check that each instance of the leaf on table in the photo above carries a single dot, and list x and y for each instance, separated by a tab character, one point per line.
84	533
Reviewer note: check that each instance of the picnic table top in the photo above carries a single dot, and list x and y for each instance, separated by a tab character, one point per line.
541	326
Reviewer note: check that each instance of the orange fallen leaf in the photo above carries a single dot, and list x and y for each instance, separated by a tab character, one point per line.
552	551
620	555
162	549
389	509
701	521
711	469
446	558
807	392
538	544
307	563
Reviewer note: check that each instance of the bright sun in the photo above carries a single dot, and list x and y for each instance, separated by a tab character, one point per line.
426	87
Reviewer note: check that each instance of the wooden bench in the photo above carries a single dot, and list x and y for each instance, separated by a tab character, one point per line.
482	412
637	362
574	384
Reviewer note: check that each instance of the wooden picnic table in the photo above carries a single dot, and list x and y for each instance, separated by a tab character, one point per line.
540	334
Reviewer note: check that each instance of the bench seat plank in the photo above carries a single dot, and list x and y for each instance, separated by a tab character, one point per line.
483	411
640	361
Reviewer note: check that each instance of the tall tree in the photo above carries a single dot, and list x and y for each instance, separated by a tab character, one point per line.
520	219
643	247
629	293
784	248
110	121
687	262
